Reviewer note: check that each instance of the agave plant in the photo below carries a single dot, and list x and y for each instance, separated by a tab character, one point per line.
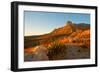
56	51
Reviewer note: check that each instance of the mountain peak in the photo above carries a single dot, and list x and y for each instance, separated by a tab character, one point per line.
69	23
67	29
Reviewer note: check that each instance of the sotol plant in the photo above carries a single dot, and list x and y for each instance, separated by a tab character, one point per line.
56	51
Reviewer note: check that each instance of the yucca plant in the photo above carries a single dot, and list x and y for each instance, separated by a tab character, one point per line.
56	51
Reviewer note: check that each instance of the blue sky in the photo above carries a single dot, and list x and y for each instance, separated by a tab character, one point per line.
38	23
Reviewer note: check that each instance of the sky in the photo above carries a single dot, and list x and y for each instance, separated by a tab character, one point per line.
38	23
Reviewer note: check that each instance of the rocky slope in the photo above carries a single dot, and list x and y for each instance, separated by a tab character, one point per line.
75	36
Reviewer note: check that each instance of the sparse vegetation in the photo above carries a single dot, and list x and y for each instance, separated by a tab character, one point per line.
56	51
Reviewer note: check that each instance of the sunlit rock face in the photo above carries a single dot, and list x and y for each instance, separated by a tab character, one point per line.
39	54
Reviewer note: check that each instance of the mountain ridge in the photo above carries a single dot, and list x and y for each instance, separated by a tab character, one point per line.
68	30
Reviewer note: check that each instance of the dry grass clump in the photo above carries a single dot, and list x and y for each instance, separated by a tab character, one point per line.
56	51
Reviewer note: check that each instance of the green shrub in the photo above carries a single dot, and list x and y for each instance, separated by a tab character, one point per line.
56	51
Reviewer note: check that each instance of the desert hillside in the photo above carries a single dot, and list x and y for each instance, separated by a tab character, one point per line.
71	40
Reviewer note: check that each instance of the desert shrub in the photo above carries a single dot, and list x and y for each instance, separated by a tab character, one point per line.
56	51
